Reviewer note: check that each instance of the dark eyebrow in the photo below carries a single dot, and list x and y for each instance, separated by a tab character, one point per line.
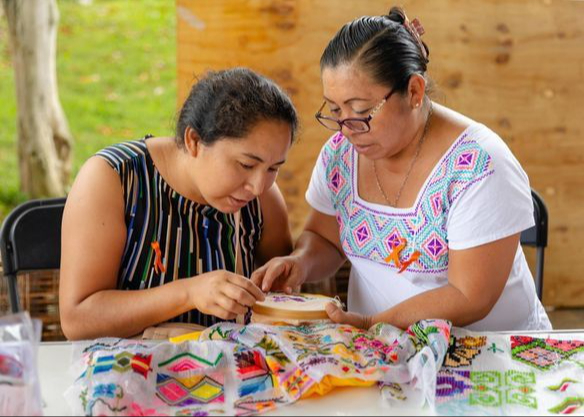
257	158
349	100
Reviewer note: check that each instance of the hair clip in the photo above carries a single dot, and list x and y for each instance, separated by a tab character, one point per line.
416	30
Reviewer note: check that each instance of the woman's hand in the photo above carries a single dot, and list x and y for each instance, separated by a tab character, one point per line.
224	294
285	273
337	315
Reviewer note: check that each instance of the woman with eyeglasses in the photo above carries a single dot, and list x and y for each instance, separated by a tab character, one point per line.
171	228
427	204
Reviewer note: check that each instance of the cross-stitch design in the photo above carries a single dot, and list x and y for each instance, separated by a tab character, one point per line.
452	383
563	386
569	406
493	348
299	298
185	392
253	372
393	390
543	354
122	362
456	390
369	234
243	370
102	397
463	350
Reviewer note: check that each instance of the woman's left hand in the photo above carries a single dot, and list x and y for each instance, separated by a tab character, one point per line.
337	315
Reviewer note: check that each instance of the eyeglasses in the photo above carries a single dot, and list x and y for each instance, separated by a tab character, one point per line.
356	124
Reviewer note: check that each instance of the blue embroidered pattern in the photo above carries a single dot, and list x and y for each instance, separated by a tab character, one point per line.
370	234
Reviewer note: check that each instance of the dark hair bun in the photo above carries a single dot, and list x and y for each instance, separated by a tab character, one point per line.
397	14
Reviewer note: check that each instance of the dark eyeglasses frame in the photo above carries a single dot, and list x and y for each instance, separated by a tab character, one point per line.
319	116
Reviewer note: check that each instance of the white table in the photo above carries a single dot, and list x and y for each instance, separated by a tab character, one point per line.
54	361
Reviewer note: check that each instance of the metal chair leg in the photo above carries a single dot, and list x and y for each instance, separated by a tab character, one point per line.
13	293
539	273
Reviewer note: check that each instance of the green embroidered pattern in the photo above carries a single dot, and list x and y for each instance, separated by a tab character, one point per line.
568	406
493	389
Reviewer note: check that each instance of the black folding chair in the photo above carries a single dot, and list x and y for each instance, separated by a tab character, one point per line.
30	239
537	237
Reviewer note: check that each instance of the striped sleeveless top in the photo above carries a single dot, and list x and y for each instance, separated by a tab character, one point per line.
192	238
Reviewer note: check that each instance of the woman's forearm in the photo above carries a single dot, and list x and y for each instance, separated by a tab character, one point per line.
319	256
446	302
126	313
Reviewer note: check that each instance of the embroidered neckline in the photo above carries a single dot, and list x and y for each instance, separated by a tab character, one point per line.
380	209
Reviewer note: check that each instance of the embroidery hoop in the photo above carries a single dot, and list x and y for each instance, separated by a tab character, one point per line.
290	309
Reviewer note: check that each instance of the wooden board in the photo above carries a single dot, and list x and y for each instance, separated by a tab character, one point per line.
516	66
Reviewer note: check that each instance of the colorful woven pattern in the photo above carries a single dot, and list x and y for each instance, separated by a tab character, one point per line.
242	370
515	375
544	354
370	234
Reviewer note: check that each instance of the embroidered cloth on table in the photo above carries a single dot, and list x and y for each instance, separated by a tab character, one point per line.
485	374
243	370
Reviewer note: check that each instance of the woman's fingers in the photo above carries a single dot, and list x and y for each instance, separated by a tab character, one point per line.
275	270
248	287
230	306
337	315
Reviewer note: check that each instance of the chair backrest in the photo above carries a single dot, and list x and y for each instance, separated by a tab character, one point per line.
537	237
30	239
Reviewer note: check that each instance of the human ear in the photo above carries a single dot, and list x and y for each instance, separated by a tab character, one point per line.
192	141
416	90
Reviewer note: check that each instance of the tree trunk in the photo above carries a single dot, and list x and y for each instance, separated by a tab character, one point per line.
44	139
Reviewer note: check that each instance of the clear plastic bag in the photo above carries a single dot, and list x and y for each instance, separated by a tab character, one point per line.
19	382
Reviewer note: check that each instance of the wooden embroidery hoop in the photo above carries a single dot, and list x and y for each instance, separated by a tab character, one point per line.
292	311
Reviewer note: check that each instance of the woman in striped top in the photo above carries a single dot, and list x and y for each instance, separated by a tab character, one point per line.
163	246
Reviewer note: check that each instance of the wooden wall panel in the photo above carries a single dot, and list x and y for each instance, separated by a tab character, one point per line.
515	65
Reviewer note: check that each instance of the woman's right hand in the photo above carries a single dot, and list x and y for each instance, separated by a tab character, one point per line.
224	294
285	273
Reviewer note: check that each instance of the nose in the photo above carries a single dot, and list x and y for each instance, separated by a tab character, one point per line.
256	183
346	132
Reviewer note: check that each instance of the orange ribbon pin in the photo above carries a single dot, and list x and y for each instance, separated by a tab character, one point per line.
158	265
395	253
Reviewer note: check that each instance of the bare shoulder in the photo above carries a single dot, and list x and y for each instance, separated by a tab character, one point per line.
96	186
93	233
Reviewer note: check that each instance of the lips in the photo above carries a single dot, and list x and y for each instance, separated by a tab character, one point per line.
238	201
361	148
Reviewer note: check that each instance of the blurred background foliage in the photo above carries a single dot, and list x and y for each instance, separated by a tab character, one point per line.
116	69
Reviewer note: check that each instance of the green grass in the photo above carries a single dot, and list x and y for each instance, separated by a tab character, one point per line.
116	69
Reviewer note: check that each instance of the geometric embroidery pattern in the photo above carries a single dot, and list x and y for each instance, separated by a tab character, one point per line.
485	389
452	383
370	234
184	392
543	354
490	390
569	406
563	386
189	362
122	362
463	350
253	372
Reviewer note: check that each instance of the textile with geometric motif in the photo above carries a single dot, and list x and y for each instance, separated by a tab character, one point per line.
370	234
243	370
